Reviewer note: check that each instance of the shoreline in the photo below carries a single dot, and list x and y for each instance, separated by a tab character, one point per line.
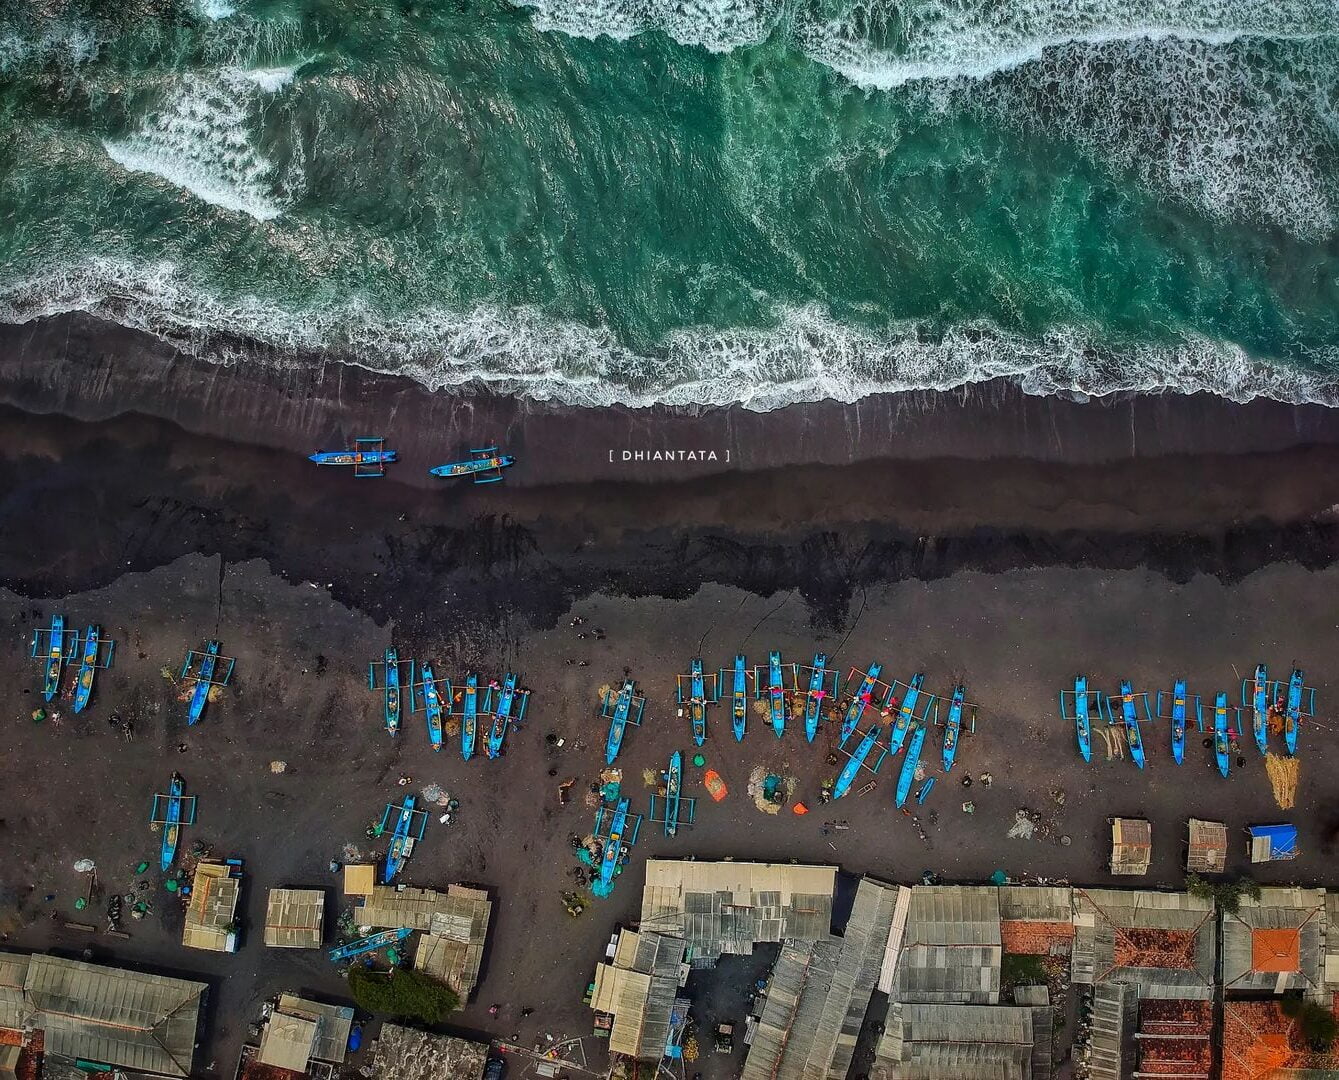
91	370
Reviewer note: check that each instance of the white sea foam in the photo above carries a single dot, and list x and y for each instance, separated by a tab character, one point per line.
215	9
807	356
718	25
66	41
200	140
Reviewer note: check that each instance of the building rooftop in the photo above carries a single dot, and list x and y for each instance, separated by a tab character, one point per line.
1276	943
638	989
143	1023
211	910
728	907
1206	852
287	1042
333	1023
1162	943
406	1054
1131	845
1260	1043
966	1042
294	918
951	947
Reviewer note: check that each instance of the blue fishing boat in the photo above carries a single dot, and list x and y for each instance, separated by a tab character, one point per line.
1130	717
673	786
739	700
484	467
621	711
1081	701
906	711
432	706
774	689
55	652
508	700
913	757
852	768
860	701
469	716
369	457
1179	720
701	690
373	943
822	682
172	826
1301	702
205	669
391	677
613	845
953	727
97	654
1260	707
404	836
1221	748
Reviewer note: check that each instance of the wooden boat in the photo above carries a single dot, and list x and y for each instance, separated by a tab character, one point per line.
204	681
497	730
953	727
848	774
739	699
859	702
1082	721
432	707
906	712
1293	715
1221	748
55	658
613	844
813	702
913	756
369	457
620	716
402	838
83	687
673	786
715	786
469	717
1130	717
776	693
484	467
1260	702
392	691
171	822
1179	720
370	944
697	703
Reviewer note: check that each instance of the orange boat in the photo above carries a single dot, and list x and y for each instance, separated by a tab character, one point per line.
715	785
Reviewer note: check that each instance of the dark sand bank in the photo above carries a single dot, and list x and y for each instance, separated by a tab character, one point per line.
85	368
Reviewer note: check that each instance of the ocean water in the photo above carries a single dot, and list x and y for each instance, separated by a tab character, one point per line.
690	201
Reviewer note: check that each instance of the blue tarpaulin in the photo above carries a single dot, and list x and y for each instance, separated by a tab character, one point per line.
1270	842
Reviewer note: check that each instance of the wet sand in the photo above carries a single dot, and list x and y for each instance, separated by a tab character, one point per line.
1012	574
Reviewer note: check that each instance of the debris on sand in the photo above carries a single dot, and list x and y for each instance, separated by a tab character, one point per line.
1023	827
770	791
650	778
1282	772
277	766
564	790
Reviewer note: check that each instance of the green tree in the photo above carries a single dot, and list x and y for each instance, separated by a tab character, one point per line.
402	994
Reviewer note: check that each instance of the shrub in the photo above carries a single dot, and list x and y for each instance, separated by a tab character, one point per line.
1315	1023
402	994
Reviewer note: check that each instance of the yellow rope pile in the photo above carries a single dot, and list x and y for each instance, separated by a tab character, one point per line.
1282	773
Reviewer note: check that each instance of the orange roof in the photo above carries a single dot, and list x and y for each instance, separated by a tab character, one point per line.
1276	950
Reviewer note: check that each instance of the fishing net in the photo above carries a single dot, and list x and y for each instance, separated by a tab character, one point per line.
1282	772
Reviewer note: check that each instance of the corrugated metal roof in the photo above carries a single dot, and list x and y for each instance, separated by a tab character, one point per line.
1102	915
1131	845
117	1017
1040	903
452	949
212	908
951	950
966	1042
1110	1031
287	1042
639	988
780	1006
294	918
1207	850
13	972
1332	941
332	1025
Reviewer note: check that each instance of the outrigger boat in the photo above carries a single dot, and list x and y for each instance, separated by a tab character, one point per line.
913	757
953	727
822	684
485	466
432	704
392	680
675	809
1301	702
1176	708
623	828
369	457
860	701
204	668
469	715
703	690
172	811
1221	748
403	837
94	659
852	768
775	691
1084	702
1255	694
53	645
508	698
906	712
370	944
621	710
739	701
1130	717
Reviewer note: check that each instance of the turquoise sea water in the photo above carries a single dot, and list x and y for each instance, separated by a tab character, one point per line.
692	201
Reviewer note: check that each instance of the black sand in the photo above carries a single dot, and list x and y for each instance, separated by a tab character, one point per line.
1026	544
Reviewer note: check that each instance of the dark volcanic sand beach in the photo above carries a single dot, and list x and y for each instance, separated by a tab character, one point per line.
1011	559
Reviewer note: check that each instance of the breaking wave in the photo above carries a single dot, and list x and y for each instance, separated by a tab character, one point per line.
806	356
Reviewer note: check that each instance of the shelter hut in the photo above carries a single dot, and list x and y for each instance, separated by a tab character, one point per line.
819	992
1131	846
406	1054
108	1017
951	948
729	907
1270	843
211	911
360	879
1276	944
930	1042
639	988
299	1032
1207	850
294	918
